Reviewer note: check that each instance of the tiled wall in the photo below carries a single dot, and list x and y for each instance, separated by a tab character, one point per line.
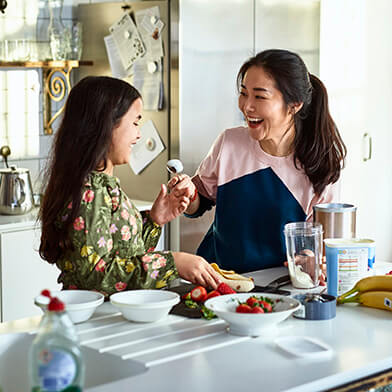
21	119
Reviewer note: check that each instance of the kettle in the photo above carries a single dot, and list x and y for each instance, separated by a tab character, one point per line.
16	192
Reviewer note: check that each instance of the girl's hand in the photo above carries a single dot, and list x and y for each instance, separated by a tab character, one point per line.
168	206
195	269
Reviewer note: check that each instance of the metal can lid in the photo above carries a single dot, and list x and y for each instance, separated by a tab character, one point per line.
315	309
334	207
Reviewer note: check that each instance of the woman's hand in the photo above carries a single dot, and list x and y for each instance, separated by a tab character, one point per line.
196	270
168	206
181	185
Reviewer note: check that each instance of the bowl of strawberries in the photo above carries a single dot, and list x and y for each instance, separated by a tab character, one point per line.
252	314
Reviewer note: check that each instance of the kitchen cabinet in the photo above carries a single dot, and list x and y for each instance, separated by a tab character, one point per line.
355	65
23	274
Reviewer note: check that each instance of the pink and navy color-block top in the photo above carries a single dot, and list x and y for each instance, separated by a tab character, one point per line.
255	195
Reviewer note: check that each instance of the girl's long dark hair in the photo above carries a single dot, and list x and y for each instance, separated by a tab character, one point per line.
318	145
93	109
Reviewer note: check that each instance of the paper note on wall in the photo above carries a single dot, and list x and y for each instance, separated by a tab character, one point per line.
116	66
147	78
147	148
150	27
128	41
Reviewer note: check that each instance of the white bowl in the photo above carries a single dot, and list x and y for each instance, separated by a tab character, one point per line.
144	306
251	324
79	304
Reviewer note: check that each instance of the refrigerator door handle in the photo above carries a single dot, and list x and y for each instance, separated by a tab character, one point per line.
367	147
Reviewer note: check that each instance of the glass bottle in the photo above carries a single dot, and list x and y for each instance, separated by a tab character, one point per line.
41	33
59	35
55	359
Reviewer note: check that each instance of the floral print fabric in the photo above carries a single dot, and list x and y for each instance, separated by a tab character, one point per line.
113	243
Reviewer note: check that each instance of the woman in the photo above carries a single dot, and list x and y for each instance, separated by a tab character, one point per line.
270	172
90	229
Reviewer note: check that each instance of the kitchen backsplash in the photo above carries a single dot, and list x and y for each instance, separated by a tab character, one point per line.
21	117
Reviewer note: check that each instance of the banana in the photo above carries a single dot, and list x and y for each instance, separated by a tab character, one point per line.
371	283
372	299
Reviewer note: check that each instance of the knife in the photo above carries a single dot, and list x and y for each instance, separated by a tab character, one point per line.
273	287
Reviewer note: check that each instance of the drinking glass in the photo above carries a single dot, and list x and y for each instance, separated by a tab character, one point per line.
304	247
76	38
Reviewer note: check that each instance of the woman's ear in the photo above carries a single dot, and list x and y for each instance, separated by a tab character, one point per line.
296	107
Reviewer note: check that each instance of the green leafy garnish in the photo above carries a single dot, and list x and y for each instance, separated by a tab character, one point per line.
207	313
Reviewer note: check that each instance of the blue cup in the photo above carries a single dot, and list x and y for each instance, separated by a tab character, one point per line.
348	260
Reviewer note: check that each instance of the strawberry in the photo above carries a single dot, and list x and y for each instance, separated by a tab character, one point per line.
199	294
213	293
46	293
186	296
252	301
266	306
243	308
55	305
224	288
257	309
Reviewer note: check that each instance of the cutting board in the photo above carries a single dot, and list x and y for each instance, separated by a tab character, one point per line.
182	310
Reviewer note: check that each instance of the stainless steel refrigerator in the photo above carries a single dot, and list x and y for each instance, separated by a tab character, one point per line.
205	43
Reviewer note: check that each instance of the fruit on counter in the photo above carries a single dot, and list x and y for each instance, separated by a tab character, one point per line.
236	281
373	299
199	294
224	288
371	283
196	297
213	293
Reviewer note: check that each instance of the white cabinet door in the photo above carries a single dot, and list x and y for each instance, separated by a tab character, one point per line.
23	274
356	64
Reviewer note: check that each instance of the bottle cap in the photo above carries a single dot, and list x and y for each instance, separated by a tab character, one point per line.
55	305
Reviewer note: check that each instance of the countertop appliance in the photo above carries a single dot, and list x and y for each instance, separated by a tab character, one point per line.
16	192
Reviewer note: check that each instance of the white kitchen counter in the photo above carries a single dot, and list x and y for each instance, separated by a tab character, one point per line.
194	355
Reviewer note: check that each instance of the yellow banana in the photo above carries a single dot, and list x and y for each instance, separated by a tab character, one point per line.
371	283
372	299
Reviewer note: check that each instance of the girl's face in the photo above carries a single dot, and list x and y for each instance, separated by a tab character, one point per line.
262	104
125	136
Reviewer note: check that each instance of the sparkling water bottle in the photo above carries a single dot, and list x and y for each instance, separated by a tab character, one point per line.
55	359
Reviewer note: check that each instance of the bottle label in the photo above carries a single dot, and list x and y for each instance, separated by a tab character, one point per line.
56	369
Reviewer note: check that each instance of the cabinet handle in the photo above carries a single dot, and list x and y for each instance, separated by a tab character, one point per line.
367	142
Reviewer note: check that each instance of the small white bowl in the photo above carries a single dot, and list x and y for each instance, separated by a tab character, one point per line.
251	324
144	306
79	304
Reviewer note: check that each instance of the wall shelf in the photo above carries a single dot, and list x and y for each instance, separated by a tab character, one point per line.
56	79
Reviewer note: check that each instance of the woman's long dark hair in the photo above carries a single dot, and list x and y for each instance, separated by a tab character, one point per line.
318	145
93	109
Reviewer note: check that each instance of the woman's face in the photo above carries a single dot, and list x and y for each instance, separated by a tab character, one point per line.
125	135
262	104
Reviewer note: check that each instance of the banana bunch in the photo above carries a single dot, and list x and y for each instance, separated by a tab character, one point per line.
373	291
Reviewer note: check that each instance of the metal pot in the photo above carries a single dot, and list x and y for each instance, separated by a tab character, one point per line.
338	219
16	192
